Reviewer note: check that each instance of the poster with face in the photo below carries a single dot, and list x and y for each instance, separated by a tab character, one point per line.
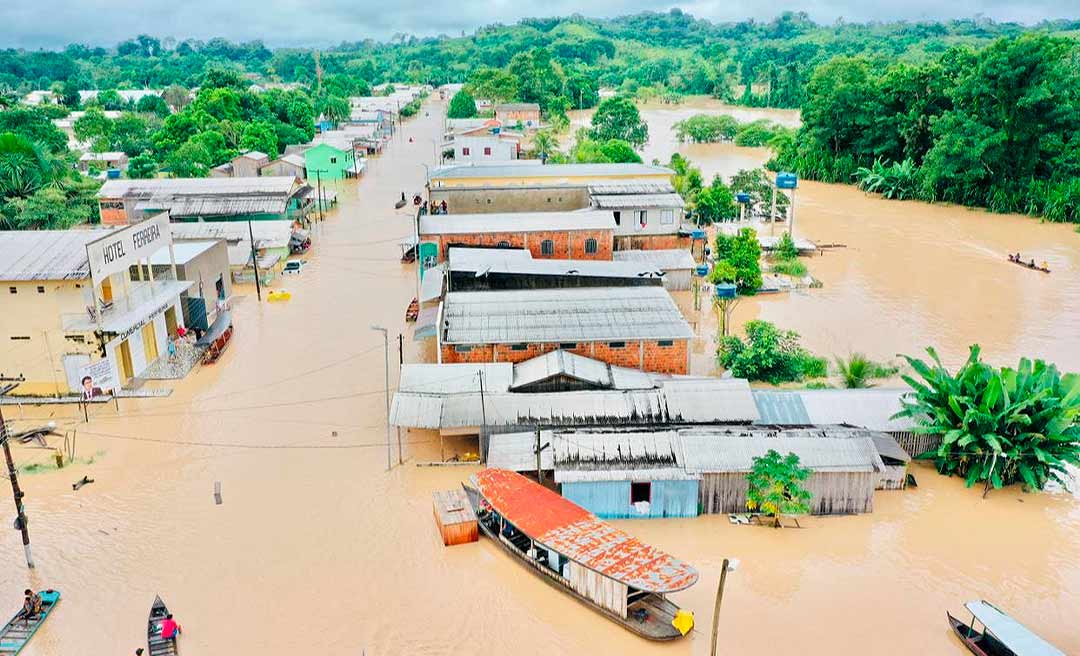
97	379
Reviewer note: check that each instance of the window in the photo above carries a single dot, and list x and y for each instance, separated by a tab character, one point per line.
547	247
504	244
549	199
666	342
618	217
40	289
487	150
20	338
616	345
590	246
462	349
78	339
642	219
667	217
568	345
13	290
464	151
640	492
333	160
519	347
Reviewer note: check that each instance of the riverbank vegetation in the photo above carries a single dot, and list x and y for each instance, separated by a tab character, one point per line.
769	354
995	128
857	371
998	426
714	128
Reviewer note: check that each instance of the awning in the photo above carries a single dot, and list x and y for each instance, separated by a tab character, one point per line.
217	329
1011	633
426	323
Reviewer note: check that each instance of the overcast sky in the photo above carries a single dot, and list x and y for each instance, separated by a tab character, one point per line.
55	23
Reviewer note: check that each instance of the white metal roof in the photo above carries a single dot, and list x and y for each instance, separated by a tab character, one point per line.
431	287
268	234
666	259
632	187
1020	640
521	261
460	224
455	378
183	251
45	254
643	201
734	451
102	157
870	408
562	315
697	400
562	363
548	171
517	452
268	184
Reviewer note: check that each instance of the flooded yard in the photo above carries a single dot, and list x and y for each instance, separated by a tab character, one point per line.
318	549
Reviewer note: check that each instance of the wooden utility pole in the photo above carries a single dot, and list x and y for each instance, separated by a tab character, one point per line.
255	262
483	417
728	566
539	468
13	474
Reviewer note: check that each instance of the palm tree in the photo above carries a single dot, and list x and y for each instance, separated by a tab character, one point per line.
25	166
856	371
545	144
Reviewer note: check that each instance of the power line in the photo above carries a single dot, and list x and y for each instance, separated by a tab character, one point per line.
237	445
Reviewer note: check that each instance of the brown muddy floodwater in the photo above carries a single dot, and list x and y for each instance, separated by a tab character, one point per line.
317	549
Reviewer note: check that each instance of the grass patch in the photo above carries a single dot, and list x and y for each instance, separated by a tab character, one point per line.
50	464
858	371
789	267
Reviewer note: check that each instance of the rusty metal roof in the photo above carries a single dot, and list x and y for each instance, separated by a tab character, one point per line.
579	535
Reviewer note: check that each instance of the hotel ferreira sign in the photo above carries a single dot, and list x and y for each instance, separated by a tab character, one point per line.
119	249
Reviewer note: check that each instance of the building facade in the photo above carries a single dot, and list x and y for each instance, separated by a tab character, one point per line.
511	114
327	162
546	235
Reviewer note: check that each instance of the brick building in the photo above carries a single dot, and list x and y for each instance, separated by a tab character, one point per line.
635	327
547	235
510	114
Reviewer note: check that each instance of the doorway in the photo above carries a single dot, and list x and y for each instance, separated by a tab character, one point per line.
170	322
149	342
127	372
106	290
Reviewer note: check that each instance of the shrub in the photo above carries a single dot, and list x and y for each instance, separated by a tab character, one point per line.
768	354
792	267
775	486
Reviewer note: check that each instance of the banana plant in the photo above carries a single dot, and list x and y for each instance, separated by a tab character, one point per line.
997	426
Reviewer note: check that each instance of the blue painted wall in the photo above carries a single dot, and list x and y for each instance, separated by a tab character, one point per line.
611	499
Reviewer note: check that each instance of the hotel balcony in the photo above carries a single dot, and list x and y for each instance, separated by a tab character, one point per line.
144	300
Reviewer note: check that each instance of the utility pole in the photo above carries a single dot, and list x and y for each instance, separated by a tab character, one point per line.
318	181
729	566
539	468
13	474
772	212
401	349
386	352
483	416
255	262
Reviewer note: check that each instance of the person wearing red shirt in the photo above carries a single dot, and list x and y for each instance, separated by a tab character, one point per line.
169	628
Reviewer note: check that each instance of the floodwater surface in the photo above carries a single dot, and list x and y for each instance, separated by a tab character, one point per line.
318	549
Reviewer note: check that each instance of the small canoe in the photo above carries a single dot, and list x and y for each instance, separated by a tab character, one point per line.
1001	635
159	646
16	633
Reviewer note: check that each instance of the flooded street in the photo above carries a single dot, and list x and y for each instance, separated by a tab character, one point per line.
318	549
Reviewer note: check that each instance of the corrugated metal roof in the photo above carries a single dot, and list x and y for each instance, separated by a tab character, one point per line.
710	399
45	254
431	287
776	407
268	234
182	206
517	452
562	315
577	534
599	450
509	107
642	474
666	259
869	408
461	224
642	201
711	452
561	363
634	188
521	262
455	378
269	184
539	170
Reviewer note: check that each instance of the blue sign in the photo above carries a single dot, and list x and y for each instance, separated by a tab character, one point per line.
786	181
742	197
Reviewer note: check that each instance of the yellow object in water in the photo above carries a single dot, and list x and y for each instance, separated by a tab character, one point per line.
683	621
281	295
470	457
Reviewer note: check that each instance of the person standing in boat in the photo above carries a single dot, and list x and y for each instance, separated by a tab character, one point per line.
31	605
170	630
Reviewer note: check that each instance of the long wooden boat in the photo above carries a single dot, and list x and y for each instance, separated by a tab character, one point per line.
158	646
1028	265
568	547
1001	635
17	632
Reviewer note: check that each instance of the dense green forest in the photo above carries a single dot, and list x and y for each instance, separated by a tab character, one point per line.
760	63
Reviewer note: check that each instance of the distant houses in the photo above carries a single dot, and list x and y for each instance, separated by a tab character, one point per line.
264	198
525	114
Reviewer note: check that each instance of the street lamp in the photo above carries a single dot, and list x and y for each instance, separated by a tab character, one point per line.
730	565
386	350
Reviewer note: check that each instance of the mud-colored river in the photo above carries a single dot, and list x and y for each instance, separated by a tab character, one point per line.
317	549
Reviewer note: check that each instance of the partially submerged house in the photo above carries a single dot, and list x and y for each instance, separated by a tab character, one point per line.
262	198
639	327
557	235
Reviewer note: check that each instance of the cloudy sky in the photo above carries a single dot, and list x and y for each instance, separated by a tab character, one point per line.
55	23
